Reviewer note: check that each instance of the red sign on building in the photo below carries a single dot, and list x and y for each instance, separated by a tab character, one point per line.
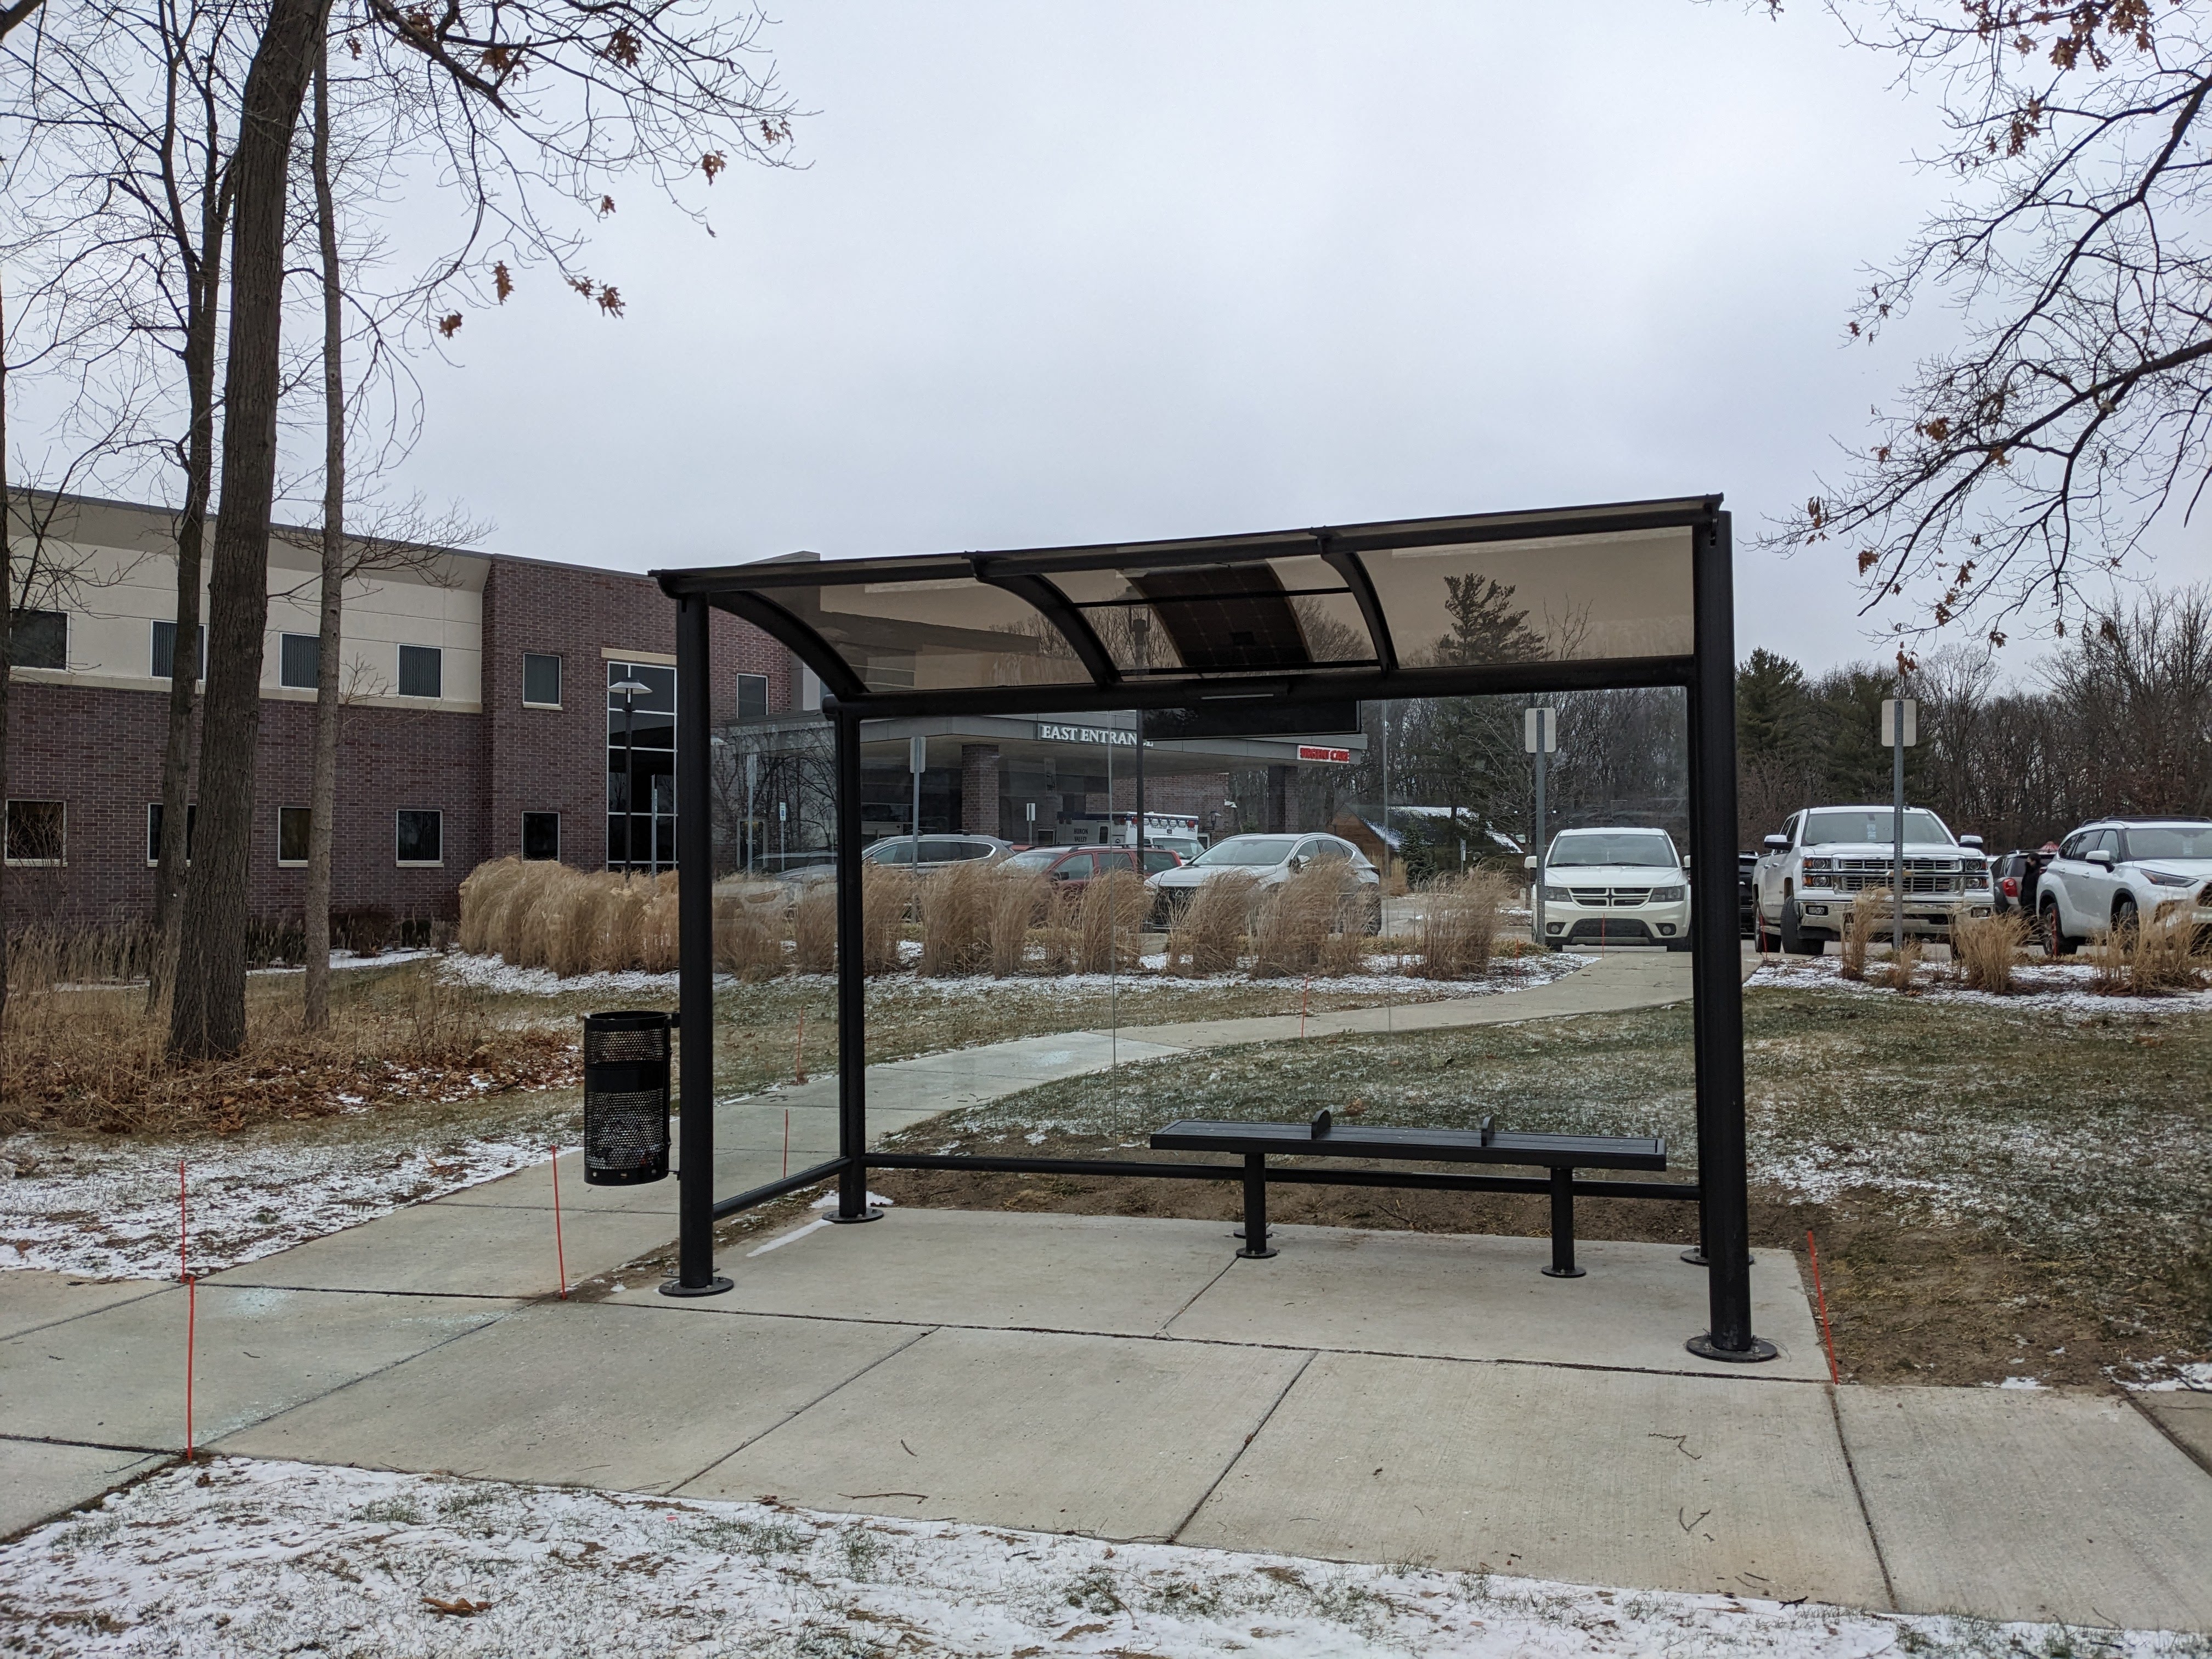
1312	751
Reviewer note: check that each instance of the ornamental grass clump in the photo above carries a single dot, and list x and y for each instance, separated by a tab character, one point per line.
955	907
814	928
886	895
1455	935
1986	950
1869	912
1018	898
2153	958
1315	922
1206	935
1107	922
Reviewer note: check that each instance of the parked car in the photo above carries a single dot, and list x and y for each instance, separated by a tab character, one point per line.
2014	877
1824	856
899	852
2108	875
1621	884
1273	859
1746	894
1070	869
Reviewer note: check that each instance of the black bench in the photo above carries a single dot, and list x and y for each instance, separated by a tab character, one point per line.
1323	1138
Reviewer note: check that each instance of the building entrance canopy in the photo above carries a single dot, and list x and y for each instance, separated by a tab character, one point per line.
1631	595
1502	602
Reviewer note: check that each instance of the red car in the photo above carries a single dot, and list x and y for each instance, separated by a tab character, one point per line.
1071	868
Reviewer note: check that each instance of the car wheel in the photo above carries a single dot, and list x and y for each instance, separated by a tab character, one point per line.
1372	920
1795	943
2125	917
1678	944
2054	941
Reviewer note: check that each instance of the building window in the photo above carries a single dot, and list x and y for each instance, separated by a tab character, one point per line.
38	832
164	650
299	661
154	831
421	837
641	766
422	671
752	697
541	680
38	639
541	834
293	823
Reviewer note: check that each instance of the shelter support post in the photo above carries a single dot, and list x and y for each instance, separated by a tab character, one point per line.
1717	957
1563	1226
852	985
695	910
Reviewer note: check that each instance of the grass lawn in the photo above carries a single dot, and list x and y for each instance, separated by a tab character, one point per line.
1997	1194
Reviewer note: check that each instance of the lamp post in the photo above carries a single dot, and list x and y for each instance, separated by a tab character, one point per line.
626	690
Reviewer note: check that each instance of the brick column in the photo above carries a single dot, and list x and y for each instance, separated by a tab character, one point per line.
979	788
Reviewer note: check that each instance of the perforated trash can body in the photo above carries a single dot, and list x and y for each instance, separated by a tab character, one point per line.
626	1097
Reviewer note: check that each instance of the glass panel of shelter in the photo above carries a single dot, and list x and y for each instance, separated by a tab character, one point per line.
640	768
937	633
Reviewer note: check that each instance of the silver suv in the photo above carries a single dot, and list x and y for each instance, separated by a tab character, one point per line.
2110	874
1824	856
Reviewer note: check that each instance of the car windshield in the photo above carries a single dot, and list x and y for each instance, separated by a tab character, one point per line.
1248	850
2193	841
1877	824
1037	857
1614	847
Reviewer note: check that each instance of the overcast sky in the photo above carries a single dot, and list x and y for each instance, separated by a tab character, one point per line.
1078	271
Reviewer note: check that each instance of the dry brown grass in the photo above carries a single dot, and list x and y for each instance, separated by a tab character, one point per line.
1018	898
814	930
2153	958
1108	918
1456	934
885	896
1315	922
1986	950
1895	971
954	905
750	927
1869	911
1208	936
93	1058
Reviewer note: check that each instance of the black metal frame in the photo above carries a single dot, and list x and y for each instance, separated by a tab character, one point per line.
1708	673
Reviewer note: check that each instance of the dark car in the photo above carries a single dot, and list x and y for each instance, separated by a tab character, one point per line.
1746	894
1071	868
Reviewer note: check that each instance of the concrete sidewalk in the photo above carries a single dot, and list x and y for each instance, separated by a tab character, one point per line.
1363	1396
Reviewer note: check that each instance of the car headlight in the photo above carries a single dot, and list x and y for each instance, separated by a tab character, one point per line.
1811	865
2165	880
1668	895
1555	895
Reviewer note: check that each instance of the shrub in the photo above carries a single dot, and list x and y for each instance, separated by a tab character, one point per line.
2152	958
1207	936
955	908
814	929
1984	950
1108	918
1869	912
1018	897
1294	921
885	895
1456	934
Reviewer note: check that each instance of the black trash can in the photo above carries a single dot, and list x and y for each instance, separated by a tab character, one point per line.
626	1097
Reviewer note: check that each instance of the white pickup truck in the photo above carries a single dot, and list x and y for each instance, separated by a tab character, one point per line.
1824	856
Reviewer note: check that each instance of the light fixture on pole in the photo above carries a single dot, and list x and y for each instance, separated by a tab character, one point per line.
626	689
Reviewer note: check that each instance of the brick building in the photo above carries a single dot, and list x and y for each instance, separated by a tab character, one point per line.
478	719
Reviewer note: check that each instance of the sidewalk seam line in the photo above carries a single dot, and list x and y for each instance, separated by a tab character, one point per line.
1162	1330
1866	1513
714	1463
2180	1445
128	1301
1237	1457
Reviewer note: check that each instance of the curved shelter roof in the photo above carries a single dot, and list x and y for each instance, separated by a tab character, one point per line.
1495	602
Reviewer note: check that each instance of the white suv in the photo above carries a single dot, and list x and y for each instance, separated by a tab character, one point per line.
2109	874
1824	856
1614	886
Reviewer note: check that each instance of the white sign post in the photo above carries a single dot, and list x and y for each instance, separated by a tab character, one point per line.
1540	735
1900	731
917	760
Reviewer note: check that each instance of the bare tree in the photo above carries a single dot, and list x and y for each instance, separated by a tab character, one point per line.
2020	468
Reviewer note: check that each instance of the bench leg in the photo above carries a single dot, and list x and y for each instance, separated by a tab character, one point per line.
1563	1226
1256	1208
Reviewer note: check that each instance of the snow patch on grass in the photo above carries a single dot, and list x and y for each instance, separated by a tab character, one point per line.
2044	987
253	1559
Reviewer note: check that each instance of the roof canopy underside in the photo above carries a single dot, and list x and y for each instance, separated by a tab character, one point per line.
1506	601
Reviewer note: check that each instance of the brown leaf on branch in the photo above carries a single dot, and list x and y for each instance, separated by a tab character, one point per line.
450	324
606	205
711	163
502	280
610	301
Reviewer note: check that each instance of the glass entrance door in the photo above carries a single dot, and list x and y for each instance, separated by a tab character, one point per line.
640	768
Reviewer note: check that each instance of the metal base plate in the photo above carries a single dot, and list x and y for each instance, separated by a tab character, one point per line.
1696	1257
855	1220
1563	1273
1255	1255
713	1287
1702	1346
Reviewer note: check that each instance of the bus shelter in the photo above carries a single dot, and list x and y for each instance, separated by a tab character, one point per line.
1626	595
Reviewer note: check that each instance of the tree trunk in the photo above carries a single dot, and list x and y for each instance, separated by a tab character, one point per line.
207	1005
7	654
203	294
323	795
